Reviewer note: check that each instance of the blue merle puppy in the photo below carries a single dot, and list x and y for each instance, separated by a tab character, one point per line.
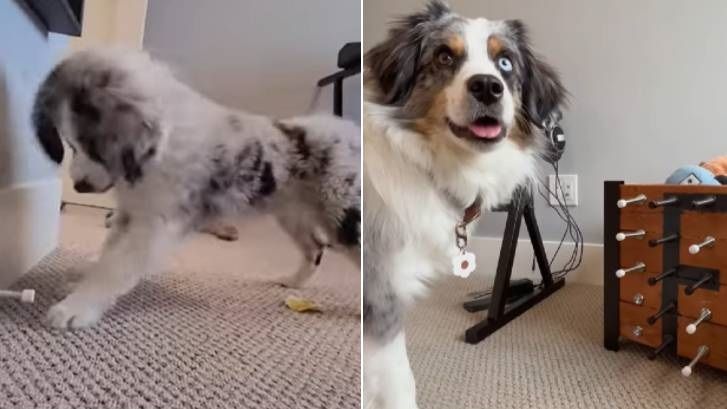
179	161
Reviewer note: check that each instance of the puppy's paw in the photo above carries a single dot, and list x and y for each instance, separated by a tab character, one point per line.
225	232
289	282
74	313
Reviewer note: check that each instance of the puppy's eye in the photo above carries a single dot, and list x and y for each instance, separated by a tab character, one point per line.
445	58
505	64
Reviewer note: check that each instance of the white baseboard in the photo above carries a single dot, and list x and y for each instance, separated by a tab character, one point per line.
30	221
487	250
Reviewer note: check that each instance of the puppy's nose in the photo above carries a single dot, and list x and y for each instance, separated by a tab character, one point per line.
485	88
82	186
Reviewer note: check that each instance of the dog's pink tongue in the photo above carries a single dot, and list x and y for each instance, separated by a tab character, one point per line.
486	131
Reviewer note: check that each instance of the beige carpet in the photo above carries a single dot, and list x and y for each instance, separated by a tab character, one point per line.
550	357
191	338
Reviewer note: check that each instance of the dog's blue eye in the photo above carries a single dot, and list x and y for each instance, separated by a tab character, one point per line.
505	64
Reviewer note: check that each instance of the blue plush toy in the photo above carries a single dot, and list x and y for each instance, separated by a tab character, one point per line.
692	175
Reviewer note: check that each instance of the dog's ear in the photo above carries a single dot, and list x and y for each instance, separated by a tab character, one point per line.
394	62
116	123
42	118
542	91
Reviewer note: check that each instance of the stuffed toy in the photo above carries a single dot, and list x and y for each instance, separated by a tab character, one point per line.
713	172
718	166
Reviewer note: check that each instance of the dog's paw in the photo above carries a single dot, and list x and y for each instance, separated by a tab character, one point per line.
73	313
289	282
227	233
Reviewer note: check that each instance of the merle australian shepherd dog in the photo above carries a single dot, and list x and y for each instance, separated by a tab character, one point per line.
451	115
179	161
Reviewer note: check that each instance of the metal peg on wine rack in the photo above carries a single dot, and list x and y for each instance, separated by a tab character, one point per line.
622	203
667	201
665	274
636	268
669	307
704	315
668	340
709	241
707	277
636	234
704	202
666	239
701	353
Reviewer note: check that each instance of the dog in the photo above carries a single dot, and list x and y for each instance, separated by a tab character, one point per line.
178	161
450	126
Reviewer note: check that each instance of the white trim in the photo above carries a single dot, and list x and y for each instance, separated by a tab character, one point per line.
30	220
487	250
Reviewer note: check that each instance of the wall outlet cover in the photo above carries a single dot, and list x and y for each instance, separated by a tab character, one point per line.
569	186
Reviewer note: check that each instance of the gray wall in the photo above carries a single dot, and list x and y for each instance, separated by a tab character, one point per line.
262	56
26	55
647	78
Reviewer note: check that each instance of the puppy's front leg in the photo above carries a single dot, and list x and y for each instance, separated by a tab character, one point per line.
132	249
388	379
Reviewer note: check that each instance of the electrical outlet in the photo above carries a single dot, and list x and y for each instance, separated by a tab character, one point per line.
569	185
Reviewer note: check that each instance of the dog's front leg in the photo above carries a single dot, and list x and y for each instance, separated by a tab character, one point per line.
131	250
388	379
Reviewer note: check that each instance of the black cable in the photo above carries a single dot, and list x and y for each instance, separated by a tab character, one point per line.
572	230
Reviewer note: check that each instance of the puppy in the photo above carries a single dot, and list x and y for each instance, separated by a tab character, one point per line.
449	114
178	160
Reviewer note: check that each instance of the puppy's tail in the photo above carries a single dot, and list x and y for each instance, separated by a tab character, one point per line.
45	109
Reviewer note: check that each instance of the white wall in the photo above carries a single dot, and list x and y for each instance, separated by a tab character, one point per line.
262	56
29	184
647	79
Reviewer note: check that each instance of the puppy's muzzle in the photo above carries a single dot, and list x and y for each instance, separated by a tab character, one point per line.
485	88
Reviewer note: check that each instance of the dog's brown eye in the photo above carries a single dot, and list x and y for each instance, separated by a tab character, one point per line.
445	58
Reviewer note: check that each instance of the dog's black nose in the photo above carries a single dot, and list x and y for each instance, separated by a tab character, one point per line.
485	88
82	186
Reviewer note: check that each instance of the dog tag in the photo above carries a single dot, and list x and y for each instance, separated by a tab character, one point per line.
463	264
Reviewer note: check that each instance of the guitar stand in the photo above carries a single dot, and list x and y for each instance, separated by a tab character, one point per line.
508	301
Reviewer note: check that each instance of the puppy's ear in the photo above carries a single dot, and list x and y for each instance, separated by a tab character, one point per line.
43	112
542	91
48	137
394	63
116	123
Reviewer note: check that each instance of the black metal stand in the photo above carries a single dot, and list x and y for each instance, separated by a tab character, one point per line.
501	307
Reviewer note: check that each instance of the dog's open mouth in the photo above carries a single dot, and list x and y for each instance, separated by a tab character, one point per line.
484	129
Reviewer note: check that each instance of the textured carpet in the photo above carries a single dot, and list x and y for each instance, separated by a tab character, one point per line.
550	357
181	340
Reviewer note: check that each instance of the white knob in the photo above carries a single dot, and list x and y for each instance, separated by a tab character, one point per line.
696	248
701	352
621	203
623	235
704	315
27	296
621	272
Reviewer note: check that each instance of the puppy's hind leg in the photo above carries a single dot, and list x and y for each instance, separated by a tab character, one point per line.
131	250
310	240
